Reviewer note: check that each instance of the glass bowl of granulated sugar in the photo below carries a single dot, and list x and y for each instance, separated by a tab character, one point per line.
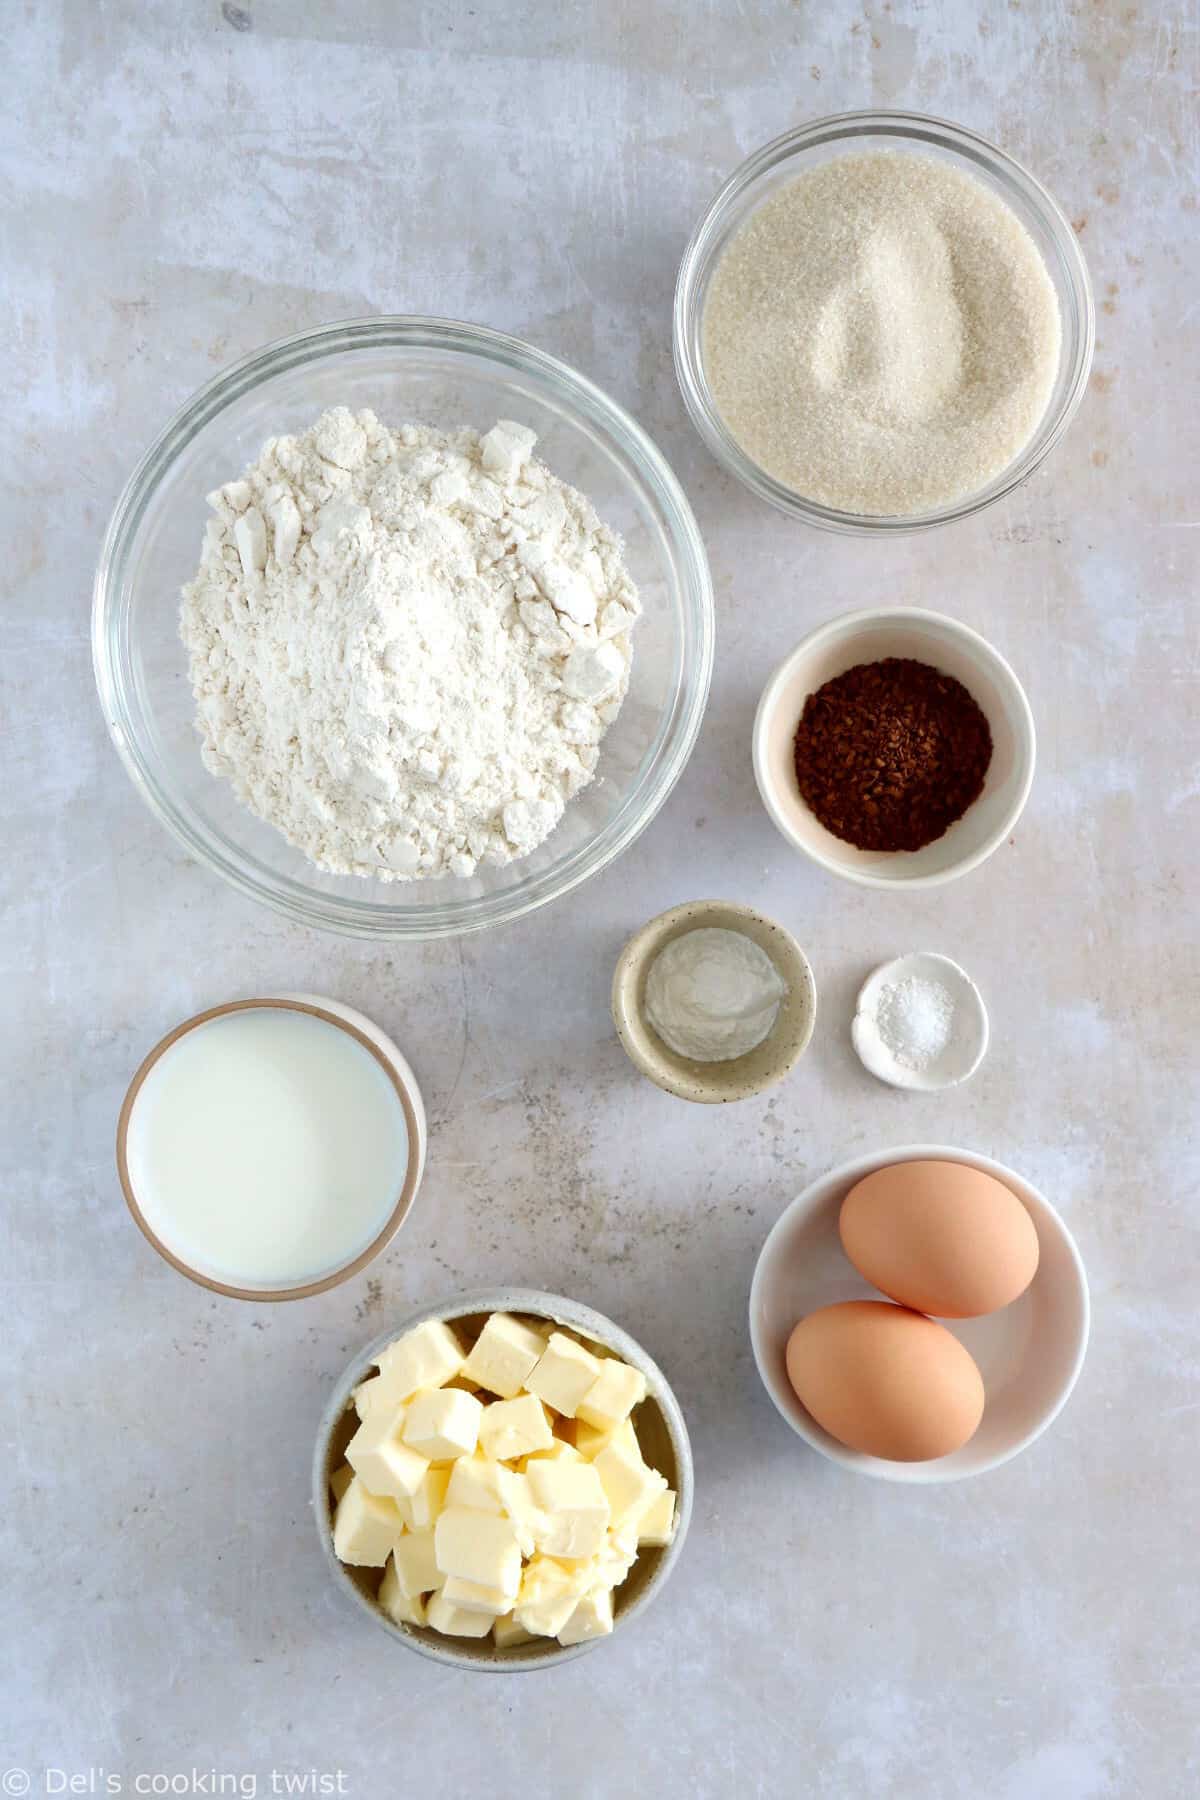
882	323
448	633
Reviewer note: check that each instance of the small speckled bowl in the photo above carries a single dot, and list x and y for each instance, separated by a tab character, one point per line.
661	1431
714	1083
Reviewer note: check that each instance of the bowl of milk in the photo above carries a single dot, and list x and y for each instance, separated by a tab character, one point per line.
270	1148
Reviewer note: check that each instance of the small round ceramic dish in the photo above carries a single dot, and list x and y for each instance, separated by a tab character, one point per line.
967	1039
661	1432
1029	1353
400	1077
714	1083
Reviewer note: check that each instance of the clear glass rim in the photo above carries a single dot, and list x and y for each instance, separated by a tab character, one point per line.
432	918
919	128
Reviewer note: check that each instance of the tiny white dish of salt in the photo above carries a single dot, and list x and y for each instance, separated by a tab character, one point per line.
920	1023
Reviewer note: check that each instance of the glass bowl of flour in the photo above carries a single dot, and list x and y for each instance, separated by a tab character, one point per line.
882	323
356	699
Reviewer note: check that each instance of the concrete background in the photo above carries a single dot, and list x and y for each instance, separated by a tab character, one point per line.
183	182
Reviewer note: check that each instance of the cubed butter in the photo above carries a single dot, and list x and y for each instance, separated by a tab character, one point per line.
630	1486
470	1596
479	1547
377	1454
526	1516
443	1423
613	1395
507	1634
369	1394
512	1428
503	1355
453	1621
340	1480
557	1450
475	1483
428	1499
550	1592
426	1357
563	1374
657	1524
415	1563
615	1558
591	1439
592	1618
402	1608
576	1508
366	1528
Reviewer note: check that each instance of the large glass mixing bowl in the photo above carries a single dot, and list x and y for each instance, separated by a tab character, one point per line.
433	372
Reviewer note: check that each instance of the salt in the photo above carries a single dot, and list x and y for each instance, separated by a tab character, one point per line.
915	1020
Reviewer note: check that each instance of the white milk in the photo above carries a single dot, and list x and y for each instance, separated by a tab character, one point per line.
267	1148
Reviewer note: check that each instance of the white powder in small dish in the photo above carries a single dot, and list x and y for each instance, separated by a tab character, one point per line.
713	994
882	334
915	1019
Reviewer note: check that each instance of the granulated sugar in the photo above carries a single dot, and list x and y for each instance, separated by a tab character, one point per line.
882	335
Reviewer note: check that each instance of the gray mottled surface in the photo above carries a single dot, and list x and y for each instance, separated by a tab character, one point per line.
182	182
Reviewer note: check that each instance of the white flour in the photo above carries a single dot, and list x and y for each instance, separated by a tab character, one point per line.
406	645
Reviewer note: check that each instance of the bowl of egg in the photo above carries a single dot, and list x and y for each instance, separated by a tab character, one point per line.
502	1480
920	1315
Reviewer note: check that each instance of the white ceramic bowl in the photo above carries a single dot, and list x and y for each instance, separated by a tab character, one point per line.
661	1433
928	637
1029	1353
968	1041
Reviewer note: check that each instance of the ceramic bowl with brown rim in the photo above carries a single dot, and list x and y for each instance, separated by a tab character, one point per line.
340	1097
740	1077
662	1436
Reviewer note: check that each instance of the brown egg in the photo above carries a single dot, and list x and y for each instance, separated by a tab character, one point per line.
940	1237
885	1380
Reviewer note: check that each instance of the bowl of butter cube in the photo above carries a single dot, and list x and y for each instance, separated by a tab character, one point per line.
502	1481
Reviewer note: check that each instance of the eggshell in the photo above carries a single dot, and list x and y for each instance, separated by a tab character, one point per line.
885	1380
940	1237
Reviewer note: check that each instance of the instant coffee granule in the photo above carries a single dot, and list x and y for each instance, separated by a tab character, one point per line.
889	754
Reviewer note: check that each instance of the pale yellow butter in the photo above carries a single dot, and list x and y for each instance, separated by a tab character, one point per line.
613	1395
513	1428
377	1454
479	1547
592	1618
503	1355
401	1608
365	1527
576	1508
508	1634
549	1594
443	1424
563	1374
427	1500
415	1563
426	1357
656	1526
472	1596
629	1485
453	1621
